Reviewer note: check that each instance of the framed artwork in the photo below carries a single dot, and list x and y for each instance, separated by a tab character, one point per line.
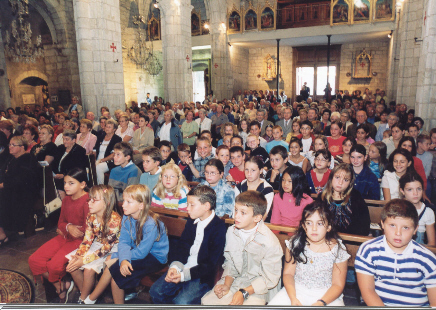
234	21
267	17
340	12
28	99
195	23
153	29
362	65
362	10
384	10
250	18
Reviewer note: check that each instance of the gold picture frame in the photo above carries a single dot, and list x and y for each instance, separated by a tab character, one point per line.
383	10
251	20
268	17
340	13
195	23
153	28
361	11
234	20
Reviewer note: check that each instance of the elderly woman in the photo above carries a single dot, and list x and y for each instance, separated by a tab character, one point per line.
7	126
124	131
31	134
189	129
19	187
85	138
203	122
66	125
68	155
45	150
142	137
104	150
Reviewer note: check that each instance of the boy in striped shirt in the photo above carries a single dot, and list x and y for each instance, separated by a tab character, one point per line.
394	270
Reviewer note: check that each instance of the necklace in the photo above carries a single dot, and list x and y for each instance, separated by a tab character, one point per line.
317	251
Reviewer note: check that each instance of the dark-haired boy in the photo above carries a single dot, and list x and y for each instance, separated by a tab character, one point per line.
126	173
195	257
184	154
167	155
278	158
394	270
306	136
422	146
237	173
151	159
253	257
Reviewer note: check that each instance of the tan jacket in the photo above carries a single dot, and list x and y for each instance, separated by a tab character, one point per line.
257	263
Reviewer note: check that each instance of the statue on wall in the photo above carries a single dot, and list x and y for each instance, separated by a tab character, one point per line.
269	68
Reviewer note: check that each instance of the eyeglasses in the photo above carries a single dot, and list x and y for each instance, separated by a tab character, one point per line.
172	177
14	145
321	160
212	174
93	200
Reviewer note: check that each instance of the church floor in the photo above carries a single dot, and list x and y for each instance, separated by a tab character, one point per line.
15	254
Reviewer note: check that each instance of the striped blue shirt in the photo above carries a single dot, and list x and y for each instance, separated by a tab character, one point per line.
400	279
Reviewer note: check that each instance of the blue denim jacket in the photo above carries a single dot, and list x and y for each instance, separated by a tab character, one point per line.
367	184
225	198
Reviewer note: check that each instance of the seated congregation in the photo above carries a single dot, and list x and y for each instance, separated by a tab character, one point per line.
268	195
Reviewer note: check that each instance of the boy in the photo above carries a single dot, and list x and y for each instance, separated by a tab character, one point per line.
278	158
184	153
223	154
196	256
255	130
151	159
167	155
422	147
413	131
237	173
306	136
253	257
204	149
237	141
278	140
256	150
225	201
127	173
394	270
208	135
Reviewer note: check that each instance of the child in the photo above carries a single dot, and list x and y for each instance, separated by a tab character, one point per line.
253	182
350	212
319	143
223	154
171	190
387	134
365	181
306	136
268	136
237	173
409	144
295	130
400	163
411	187
208	135
347	144
103	226
423	145
315	262
295	157
127	173
277	133
142	249
278	159
253	257
393	270
292	198
317	177
377	158
336	139
151	159
413	131
362	136
184	154
237	141
193	260
256	150
204	149
167	155
49	260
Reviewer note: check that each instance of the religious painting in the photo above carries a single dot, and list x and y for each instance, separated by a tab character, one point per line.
362	65
362	11
269	68
195	23
268	18
153	29
384	10
250	19
234	19
340	13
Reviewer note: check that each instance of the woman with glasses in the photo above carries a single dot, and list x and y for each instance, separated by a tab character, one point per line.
45	150
124	131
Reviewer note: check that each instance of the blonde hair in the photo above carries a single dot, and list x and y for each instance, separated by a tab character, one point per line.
327	193
228	124
159	190
106	193
48	128
141	193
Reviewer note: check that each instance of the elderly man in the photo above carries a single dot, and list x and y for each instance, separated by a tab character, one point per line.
169	131
361	118
392	119
76	106
251	111
286	122
91	117
260	116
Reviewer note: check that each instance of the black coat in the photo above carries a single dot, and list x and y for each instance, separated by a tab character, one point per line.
76	158
115	139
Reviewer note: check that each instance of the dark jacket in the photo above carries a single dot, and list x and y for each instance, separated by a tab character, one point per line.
76	158
211	253
367	184
115	139
176	137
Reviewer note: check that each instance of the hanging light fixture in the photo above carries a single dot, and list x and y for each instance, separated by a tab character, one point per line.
153	65
19	47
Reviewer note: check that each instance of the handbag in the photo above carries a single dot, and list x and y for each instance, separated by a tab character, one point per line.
53	205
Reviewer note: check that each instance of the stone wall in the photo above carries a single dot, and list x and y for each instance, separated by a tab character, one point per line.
5	100
379	50
238	57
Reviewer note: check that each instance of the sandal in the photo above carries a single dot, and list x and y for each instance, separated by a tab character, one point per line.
64	300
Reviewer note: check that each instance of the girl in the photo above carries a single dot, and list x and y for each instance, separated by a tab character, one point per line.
49	260
171	190
377	158
408	143
316	262
103	226
295	130
350	212
397	131
317	177
362	136
336	139
268	136
400	163
292	198
142	248
295	158
366	182
253	169
347	144
243	129
411	188
319	143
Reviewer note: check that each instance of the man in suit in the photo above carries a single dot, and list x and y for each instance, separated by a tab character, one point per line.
286	122
260	116
361	119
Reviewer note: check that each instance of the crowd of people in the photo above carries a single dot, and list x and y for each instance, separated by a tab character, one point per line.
256	158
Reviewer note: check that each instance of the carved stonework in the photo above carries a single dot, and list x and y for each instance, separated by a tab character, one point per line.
362	65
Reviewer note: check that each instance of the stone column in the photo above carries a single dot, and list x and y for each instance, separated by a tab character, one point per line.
426	90
221	82
177	49
98	34
5	98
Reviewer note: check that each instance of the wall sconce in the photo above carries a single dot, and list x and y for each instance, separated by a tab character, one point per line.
156	6
374	74
416	40
390	34
206	26
348	74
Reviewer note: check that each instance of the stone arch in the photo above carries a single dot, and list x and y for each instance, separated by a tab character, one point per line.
54	10
30	73
47	19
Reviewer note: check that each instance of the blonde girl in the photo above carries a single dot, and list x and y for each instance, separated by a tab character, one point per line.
171	190
142	249
103	226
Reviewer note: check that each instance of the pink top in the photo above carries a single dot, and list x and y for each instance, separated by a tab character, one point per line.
285	212
89	142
